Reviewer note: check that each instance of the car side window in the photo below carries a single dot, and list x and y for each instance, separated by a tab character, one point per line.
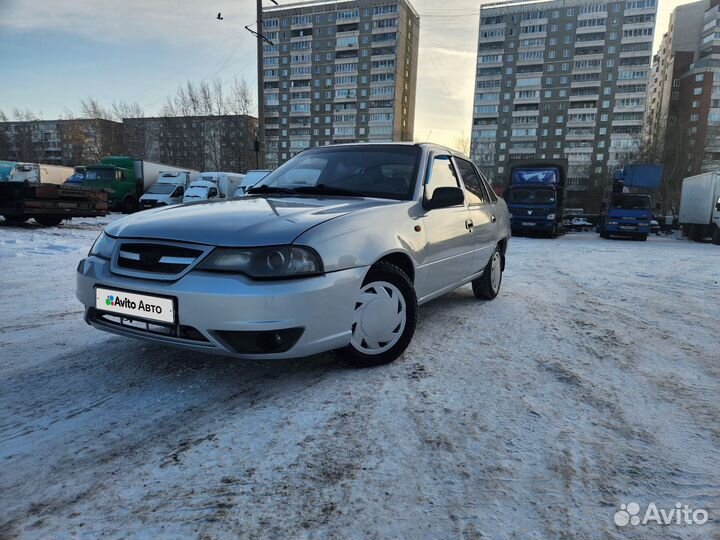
490	190
442	174
473	184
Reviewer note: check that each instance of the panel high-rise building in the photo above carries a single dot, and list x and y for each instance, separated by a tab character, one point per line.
338	72
684	104
562	79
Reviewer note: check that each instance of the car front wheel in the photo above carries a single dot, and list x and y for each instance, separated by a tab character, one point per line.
487	286
384	317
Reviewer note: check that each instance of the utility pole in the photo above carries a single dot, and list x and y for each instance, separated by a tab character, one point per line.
260	138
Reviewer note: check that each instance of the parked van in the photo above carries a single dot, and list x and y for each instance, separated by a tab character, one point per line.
224	182
169	189
251	178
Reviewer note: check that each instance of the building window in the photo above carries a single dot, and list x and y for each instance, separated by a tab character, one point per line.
697	91
696	104
676	83
699	77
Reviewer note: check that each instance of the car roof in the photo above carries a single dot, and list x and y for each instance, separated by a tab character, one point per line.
423	145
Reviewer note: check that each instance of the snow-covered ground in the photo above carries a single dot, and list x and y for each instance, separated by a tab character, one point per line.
593	380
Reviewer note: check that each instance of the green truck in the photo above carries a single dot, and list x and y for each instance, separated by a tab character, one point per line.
125	179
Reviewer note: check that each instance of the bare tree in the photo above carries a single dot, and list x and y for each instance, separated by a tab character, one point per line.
3	116
462	143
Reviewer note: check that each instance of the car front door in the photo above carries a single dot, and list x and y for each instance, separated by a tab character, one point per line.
447	255
482	214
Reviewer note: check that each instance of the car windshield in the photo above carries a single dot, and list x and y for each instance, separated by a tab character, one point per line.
532	196
631	202
196	192
381	171
99	174
161	189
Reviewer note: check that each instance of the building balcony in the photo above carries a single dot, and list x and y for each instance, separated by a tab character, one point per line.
590	30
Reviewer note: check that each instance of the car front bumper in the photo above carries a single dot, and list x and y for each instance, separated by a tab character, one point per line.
216	305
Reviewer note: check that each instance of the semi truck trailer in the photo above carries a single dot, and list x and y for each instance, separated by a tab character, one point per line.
700	207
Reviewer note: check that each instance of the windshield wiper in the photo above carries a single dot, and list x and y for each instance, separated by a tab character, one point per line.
265	188
324	189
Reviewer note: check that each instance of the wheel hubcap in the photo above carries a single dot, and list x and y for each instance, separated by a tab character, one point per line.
379	318
495	272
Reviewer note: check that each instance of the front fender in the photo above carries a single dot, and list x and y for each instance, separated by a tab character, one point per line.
361	238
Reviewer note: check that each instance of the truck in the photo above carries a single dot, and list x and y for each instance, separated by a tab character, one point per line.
627	209
125	179
6	168
78	176
169	189
224	184
35	173
535	195
251	178
700	207
49	204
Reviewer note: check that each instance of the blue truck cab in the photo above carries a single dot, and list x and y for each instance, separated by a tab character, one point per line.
628	211
535	195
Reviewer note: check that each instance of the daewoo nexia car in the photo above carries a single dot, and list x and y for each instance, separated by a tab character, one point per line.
334	250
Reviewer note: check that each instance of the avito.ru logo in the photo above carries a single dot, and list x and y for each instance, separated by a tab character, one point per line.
120	302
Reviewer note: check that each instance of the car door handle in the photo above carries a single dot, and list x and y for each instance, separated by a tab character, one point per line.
468	224
493	218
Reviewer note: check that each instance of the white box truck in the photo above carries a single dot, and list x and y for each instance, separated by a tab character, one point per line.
34	173
169	189
251	178
700	206
224	185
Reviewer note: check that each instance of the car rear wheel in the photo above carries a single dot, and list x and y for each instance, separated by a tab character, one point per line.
16	219
487	286
49	221
384	318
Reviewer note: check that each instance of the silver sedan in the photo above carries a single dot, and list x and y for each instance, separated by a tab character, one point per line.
334	250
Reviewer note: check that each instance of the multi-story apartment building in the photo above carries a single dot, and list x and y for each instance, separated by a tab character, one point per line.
208	143
338	71
59	142
562	78
684	103
221	143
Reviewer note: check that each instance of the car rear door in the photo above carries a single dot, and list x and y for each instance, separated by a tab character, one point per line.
447	256
482	214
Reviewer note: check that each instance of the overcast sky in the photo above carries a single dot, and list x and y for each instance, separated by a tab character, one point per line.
55	52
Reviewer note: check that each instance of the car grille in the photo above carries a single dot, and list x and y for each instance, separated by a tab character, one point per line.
137	325
154	260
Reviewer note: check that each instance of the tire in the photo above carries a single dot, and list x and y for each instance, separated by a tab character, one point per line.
604	235
643	237
389	285
487	286
16	219
129	205
49	221
716	236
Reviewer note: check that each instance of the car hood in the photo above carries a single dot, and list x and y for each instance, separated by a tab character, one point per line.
250	221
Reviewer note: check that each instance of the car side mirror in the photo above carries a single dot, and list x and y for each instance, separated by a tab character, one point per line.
444	197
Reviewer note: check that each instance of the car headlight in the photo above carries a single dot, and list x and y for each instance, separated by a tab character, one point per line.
103	246
551	216
265	262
